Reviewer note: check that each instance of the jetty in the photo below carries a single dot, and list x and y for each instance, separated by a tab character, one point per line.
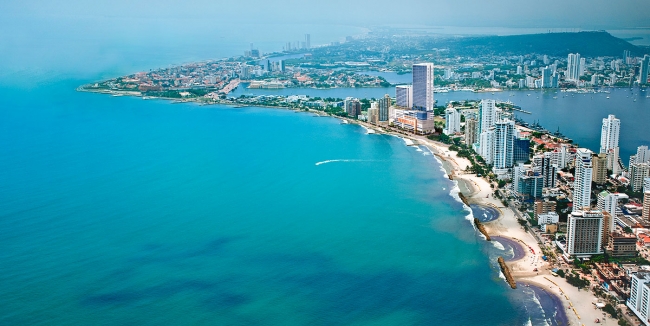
481	229
506	272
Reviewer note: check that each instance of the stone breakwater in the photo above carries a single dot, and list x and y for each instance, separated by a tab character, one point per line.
506	272
481	229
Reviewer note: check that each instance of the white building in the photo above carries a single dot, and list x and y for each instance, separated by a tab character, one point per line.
642	155
638	173
639	301
583	176
504	142
404	96
487	114
609	141
548	218
423	86
452	121
608	202
573	67
584	233
373	113
486	145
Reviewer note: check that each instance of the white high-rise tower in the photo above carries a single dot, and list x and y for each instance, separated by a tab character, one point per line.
423	86
452	121
573	67
582	183
609	141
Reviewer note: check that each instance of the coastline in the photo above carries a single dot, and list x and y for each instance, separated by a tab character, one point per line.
577	304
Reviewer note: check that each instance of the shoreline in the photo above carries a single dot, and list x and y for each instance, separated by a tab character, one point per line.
476	190
576	304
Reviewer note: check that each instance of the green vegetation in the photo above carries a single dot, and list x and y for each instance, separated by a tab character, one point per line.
577	281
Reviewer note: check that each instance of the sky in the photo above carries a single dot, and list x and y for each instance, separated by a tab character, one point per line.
82	35
586	14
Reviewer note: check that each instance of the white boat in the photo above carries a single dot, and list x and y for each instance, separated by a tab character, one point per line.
607	97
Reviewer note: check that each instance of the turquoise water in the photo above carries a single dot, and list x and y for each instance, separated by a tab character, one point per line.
117	210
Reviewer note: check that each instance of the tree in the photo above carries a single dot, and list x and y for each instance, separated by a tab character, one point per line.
610	310
628	230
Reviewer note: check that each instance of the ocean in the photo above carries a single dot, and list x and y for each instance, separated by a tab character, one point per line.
118	210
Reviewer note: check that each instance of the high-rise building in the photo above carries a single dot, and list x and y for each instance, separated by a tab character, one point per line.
609	141
643	70
646	205
608	202
646	184
471	131
543	164
307	41
584	233
487	114
609	133
504	142
642	155
486	145
582	68
452	121
638	173
404	96
353	108
547	81
529	183
522	150
573	67
245	72
373	113
599	163
384	103
423	86
582	180
639	301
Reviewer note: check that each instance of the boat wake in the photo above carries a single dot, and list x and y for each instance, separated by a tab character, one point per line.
342	160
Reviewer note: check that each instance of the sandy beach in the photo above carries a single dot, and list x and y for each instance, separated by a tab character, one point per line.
578	304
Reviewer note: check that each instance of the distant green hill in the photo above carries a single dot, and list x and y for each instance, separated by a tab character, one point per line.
588	44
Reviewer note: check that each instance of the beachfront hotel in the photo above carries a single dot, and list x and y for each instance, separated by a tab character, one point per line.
423	86
585	233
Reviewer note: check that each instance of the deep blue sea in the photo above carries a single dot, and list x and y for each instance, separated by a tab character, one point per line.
123	211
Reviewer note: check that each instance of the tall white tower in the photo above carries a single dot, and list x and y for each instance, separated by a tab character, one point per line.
573	67
609	141
452	121
504	142
582	183
423	86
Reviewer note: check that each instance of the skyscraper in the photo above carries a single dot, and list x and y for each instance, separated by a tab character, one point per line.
582	183
643	70
486	145
504	141
544	165
423	86
584	233
599	163
471	131
352	108
573	67
307	41
487	114
384	103
404	96
609	141
452	121
547	80
638	173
